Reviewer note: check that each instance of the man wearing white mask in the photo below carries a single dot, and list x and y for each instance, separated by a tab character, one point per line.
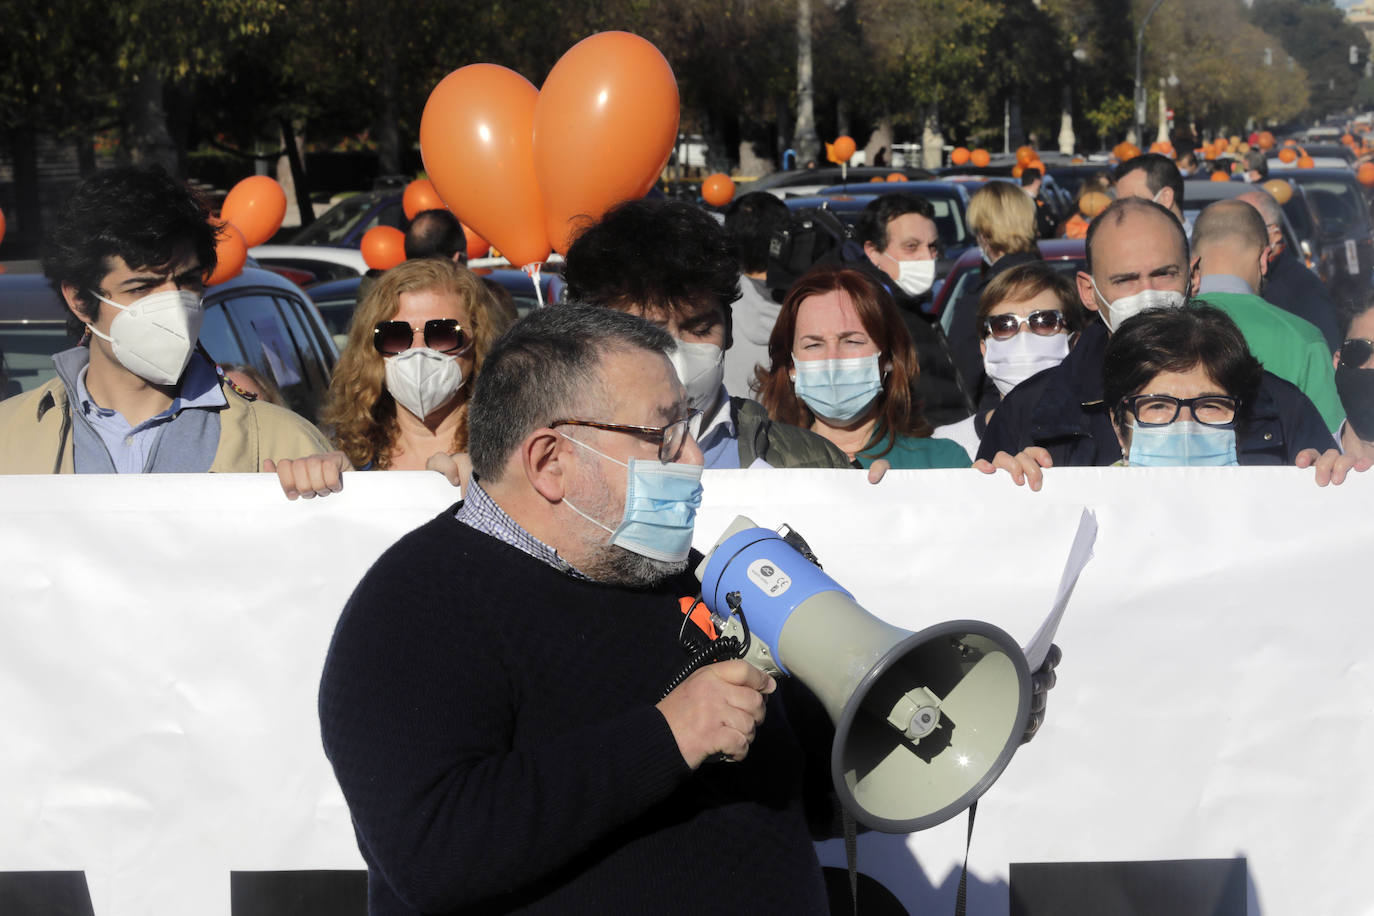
673	264
1137	259
1153	177
129	255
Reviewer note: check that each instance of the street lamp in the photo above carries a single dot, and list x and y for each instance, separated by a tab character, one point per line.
1139	90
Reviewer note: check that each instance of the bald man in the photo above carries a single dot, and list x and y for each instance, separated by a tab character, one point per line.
1230	258
1289	283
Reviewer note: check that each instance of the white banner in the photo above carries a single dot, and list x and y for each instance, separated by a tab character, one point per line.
161	640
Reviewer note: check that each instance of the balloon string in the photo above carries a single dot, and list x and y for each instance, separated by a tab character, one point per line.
533	271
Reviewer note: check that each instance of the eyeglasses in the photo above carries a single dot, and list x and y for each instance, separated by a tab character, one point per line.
1043	322
1356	351
1163	409
669	439
443	334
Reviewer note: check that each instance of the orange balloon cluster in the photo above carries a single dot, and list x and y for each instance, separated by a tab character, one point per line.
959	156
1124	151
1221	175
253	210
841	151
1365	174
896	176
383	247
1306	162
718	190
526	167
1025	155
980	157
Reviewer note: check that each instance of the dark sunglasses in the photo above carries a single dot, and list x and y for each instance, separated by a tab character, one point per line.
1043	322
443	334
1356	351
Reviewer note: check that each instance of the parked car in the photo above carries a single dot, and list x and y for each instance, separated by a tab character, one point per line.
1198	194
950	200
1332	217
306	265
343	224
258	318
803	182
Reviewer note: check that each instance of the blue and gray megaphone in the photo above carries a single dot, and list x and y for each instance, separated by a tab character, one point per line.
924	722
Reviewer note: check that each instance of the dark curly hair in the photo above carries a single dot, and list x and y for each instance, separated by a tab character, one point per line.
1176	340
750	222
653	254
140	214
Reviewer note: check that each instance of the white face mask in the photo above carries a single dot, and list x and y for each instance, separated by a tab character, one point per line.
421	379
700	367
914	277
1123	308
1010	362
153	337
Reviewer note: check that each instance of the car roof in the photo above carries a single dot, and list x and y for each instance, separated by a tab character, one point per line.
1050	250
826	175
348	257
866	192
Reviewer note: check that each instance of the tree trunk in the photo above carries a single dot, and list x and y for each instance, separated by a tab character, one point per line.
1067	140
932	141
1162	135
26	228
294	180
880	139
805	141
150	141
388	129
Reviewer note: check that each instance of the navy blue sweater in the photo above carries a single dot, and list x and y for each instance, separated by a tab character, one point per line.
492	724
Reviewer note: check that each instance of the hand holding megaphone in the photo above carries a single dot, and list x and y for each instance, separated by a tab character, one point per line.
716	710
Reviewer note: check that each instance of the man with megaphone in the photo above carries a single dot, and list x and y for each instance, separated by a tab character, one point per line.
496	699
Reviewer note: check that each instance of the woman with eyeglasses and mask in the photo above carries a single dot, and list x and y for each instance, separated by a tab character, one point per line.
843	366
1355	383
1028	318
399	394
1183	390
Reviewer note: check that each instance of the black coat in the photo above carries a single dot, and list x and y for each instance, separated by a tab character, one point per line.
1062	411
1295	289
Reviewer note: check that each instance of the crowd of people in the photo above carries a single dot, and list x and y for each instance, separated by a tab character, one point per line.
579	435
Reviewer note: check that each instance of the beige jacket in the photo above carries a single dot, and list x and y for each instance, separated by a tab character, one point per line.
36	435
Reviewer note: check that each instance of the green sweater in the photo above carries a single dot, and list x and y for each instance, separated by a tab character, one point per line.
912	452
1288	346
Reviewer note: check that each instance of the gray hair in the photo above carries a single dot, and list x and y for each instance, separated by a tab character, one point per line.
546	367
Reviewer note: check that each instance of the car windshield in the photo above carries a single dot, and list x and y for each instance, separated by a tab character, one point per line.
330	228
26	352
949	222
1339	207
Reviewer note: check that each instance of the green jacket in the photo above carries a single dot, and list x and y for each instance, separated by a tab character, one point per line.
1290	347
779	444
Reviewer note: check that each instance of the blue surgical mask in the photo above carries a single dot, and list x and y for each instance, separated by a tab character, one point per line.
661	502
838	389
1183	443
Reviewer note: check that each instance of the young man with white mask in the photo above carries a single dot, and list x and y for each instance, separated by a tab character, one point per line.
1137	259
129	255
671	263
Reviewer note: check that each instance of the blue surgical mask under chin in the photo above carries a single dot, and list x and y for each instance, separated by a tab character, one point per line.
1182	444
838	390
661	502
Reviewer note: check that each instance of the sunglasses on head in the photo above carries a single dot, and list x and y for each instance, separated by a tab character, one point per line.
1043	322
1356	351
443	334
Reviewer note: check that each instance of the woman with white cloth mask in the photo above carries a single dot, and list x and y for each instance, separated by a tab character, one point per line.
400	392
1028	318
843	365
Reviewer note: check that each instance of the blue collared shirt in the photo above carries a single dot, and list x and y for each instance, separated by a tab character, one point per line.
129	446
717	436
481	513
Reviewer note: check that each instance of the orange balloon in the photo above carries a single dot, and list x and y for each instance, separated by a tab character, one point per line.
1266	140
1093	203
1037	164
1017	170
1281	190
256	205
896	176
1348	139
1306	162
1024	154
476	139
477	246
718	190
959	155
1364	175
844	149
419	197
604	127
1290	142
1288	155
231	253
1220	175
383	247
980	157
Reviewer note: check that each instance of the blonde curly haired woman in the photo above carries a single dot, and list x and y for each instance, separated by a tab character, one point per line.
398	399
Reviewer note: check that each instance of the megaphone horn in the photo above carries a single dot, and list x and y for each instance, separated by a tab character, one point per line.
925	722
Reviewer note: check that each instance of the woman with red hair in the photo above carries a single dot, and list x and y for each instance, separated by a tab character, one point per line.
843	365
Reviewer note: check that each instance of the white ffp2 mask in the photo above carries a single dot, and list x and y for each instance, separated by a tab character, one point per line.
421	379
154	335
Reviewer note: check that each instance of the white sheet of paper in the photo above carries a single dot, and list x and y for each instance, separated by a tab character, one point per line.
1079	555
